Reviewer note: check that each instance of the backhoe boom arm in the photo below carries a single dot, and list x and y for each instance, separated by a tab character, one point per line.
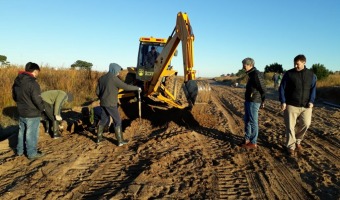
183	33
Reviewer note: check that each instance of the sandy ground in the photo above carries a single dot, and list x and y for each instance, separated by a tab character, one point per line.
181	155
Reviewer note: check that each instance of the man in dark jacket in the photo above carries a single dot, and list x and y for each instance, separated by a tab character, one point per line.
254	99
151	57
26	93
297	94
107	91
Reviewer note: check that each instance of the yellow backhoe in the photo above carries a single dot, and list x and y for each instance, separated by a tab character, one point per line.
156	76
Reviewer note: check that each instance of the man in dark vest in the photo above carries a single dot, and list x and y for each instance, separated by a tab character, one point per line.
297	94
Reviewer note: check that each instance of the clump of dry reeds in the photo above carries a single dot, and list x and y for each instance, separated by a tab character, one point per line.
81	83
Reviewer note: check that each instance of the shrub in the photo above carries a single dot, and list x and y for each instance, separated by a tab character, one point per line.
320	71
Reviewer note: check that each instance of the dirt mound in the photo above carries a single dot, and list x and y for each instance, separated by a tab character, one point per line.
179	154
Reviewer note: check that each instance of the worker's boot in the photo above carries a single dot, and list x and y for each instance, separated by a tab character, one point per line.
47	126
119	136
55	128
100	130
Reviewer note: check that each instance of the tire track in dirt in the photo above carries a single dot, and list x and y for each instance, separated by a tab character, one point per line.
56	174
285	179
191	156
252	180
229	180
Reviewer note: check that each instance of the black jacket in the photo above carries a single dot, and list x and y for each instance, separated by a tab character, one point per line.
298	88
107	89
255	88
26	93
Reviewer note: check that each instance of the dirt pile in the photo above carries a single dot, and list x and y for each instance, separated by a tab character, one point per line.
180	155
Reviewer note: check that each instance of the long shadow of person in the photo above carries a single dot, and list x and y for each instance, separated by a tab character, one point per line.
10	132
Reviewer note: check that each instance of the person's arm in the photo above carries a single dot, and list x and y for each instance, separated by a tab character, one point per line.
312	92
36	96
14	96
282	88
261	87
97	89
60	100
120	84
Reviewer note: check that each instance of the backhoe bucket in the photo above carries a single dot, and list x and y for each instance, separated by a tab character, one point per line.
197	91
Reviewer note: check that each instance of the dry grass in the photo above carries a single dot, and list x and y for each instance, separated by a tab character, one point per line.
329	89
330	81
80	83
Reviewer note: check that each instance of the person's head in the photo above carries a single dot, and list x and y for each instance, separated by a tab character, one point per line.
33	68
248	63
153	49
114	68
299	62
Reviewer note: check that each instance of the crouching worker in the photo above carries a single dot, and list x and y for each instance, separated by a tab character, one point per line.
53	101
107	92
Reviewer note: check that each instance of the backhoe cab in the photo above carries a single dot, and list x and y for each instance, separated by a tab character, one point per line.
147	57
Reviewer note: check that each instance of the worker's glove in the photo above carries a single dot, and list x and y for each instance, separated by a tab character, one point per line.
58	118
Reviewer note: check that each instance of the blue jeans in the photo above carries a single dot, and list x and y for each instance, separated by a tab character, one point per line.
29	130
251	126
106	113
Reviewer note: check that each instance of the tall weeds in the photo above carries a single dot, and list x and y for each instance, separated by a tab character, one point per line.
80	83
330	81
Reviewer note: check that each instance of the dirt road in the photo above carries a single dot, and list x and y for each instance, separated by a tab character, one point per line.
182	155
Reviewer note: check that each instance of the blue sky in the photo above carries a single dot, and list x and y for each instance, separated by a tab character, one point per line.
58	33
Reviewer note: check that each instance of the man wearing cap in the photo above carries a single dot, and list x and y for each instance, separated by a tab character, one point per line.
107	92
53	101
255	96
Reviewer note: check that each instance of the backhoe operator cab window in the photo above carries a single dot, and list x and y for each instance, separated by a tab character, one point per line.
149	50
148	54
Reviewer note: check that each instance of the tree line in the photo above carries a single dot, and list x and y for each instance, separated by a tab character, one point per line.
319	70
79	64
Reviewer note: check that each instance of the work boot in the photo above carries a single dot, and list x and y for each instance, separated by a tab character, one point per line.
36	156
119	136
298	147
47	126
55	128
100	130
291	152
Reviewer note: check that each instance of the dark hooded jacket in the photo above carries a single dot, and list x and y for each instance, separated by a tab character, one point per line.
108	86
26	93
255	88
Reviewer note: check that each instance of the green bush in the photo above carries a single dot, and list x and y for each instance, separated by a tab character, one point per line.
320	71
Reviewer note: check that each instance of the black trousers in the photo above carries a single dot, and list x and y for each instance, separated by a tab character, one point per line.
107	112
